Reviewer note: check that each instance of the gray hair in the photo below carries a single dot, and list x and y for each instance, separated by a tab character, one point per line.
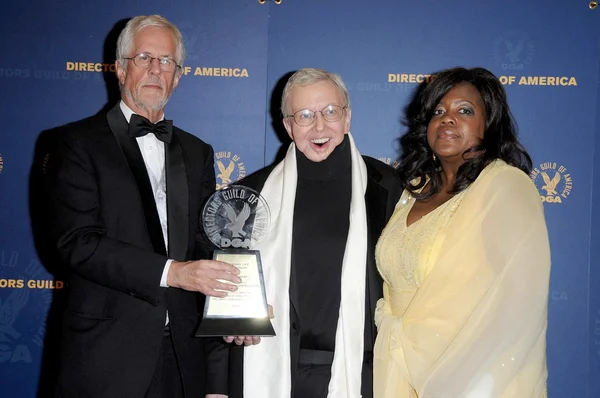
308	76
125	40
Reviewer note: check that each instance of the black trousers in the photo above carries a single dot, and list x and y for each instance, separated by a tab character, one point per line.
312	376
166	381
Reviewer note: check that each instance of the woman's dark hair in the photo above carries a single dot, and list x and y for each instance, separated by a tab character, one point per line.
499	138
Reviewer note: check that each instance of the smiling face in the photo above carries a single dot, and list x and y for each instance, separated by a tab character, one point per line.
148	89
457	124
319	139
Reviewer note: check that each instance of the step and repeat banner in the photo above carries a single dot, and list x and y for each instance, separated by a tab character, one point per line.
57	67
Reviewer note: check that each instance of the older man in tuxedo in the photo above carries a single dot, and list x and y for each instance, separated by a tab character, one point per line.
128	188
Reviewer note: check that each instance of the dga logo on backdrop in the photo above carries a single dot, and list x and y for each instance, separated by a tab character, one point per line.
24	304
1	163
553	181
513	50
10	309
229	168
194	40
195	37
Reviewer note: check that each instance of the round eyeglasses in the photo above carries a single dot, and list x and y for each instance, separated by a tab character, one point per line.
306	117
144	60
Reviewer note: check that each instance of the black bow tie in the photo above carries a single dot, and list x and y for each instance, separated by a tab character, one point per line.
139	126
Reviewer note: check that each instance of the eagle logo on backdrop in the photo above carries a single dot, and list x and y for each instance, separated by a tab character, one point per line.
225	172
14	347
513	50
9	312
22	336
194	39
550	184
1	164
229	168
554	182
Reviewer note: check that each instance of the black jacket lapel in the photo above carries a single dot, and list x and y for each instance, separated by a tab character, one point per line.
376	204
177	200
131	150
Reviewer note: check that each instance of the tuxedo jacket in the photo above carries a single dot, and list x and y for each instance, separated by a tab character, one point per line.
382	194
108	234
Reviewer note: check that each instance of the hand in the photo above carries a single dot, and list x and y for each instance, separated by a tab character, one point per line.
202	276
245	340
215	396
248	340
270	309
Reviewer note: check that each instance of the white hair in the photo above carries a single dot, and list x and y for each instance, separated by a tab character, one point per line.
125	40
308	76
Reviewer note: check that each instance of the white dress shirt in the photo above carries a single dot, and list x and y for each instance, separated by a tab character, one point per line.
153	152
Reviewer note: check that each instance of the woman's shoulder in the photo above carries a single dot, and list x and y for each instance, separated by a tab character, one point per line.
505	179
499	170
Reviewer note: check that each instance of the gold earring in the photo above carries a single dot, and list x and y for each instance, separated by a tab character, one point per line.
434	158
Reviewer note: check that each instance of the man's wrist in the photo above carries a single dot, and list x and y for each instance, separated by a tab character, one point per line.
164	279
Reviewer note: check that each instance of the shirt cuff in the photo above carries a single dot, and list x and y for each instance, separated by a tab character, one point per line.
163	278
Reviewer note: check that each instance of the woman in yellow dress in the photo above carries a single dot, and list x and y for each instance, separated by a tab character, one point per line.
465	258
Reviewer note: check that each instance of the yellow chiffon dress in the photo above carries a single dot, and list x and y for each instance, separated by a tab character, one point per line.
464	312
402	254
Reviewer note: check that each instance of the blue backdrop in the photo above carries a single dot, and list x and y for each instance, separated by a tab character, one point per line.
55	69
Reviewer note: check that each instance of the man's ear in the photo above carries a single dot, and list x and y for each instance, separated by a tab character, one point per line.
176	78
348	118
120	72
288	126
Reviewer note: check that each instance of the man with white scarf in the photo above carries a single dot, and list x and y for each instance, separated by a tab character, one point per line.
328	207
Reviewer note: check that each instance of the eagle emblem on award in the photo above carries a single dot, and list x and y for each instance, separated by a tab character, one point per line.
236	219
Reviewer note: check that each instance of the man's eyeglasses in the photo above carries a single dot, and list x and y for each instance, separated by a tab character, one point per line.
144	60
306	117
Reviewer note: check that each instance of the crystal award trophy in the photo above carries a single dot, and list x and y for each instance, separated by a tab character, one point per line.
235	219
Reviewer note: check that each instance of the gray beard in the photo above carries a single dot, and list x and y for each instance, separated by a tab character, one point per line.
142	105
